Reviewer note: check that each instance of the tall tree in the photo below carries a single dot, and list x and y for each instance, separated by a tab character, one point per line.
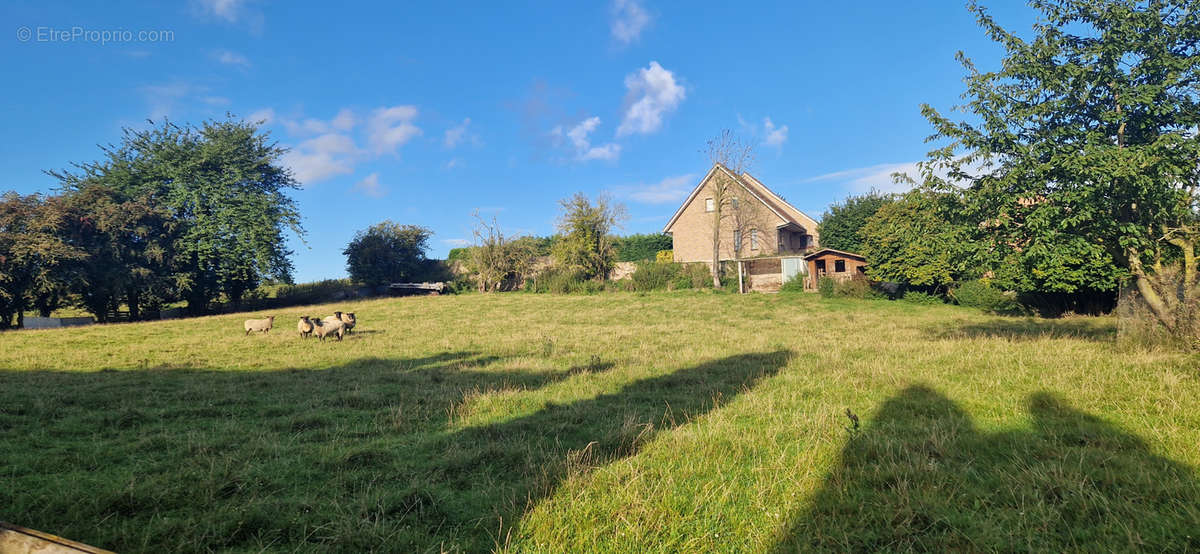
34	259
737	156
224	185
387	252
1083	145
586	245
919	240
841	225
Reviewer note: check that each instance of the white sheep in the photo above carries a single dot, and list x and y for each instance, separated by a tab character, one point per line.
350	321
263	325
328	326
305	326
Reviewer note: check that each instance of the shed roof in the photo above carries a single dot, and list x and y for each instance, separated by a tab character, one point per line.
827	251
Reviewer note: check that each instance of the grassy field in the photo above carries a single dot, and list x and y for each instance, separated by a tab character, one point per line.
670	422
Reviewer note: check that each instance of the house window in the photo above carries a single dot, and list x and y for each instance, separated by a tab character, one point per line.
708	204
839	266
754	239
733	202
737	239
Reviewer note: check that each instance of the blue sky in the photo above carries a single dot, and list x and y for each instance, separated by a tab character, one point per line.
424	112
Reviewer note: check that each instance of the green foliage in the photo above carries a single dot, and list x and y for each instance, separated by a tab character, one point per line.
841	225
1089	126
637	248
980	294
562	281
795	284
34	257
664	256
585	247
654	276
387	252
497	262
328	290
225	189
826	286
923	298
855	288
920	239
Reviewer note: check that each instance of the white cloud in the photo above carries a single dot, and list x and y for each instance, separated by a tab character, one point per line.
653	92
322	157
670	190
390	128
776	136
228	57
453	163
344	120
879	176
370	186
216	100
163	98
457	134
265	115
578	137
457	242
229	10
629	19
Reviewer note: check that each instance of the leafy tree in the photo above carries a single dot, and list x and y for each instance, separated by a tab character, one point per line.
387	252
585	247
127	244
224	186
918	240
498	262
841	225
1082	149
637	248
34	258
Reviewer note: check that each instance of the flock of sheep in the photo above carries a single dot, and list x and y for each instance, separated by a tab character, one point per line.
337	324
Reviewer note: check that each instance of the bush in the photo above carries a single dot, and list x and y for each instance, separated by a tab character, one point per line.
665	256
795	284
980	294
654	276
855	288
826	286
918	297
641	248
312	293
561	281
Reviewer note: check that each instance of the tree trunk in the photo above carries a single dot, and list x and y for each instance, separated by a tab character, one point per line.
1158	306
741	285
716	244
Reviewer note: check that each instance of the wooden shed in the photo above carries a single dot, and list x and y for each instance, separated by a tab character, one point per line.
841	266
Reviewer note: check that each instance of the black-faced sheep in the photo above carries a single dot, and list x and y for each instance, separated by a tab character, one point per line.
349	320
304	326
263	325
328	326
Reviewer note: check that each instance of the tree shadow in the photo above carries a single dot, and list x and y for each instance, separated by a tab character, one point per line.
1027	329
921	477
361	456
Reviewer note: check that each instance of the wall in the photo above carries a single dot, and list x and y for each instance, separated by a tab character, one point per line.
852	268
691	234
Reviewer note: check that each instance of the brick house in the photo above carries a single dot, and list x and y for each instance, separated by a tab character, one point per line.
758	227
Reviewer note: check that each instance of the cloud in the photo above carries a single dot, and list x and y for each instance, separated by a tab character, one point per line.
629	19
453	163
322	157
652	93
345	120
878	177
162	99
457	242
265	115
670	190
579	141
390	128
228	57
229	10
457	134
370	186
776	136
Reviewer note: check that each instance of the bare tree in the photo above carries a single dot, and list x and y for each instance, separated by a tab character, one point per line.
495	259
732	206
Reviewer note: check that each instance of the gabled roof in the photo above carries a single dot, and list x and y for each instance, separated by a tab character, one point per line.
825	251
786	212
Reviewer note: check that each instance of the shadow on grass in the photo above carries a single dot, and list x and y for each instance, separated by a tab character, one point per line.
920	477
362	456
1094	329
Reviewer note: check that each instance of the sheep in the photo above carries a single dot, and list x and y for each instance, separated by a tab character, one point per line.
305	326
263	325
350	321
328	326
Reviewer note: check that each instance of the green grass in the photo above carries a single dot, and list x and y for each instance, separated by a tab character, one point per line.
686	421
